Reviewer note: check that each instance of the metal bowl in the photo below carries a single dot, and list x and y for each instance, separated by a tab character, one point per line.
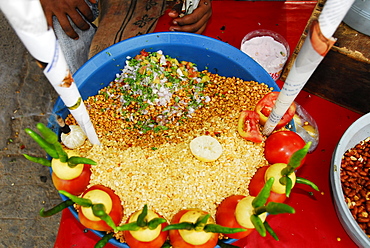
358	131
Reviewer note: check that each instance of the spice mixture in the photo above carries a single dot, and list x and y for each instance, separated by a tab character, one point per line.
356	183
145	121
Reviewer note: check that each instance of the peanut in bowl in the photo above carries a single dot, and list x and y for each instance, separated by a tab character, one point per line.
207	53
348	176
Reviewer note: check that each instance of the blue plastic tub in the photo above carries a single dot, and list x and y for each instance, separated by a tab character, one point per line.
208	53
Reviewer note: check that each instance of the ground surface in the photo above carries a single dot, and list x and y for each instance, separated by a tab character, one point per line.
26	97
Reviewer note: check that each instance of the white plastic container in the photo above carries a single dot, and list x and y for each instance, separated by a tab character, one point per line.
357	132
267	48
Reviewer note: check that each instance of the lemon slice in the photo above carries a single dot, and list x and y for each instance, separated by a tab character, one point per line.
206	148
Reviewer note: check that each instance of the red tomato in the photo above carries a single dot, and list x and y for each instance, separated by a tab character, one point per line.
225	216
156	243
116	212
280	146
257	183
178	242
264	108
248	126
74	186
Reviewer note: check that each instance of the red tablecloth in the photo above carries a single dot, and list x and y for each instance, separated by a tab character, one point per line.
315	223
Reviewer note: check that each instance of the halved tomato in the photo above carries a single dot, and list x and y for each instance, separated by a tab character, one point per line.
248	126
116	211
264	108
75	186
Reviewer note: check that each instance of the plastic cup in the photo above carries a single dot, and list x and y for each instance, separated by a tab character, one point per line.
267	48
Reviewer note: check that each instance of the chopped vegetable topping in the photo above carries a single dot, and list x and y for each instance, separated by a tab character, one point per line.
155	89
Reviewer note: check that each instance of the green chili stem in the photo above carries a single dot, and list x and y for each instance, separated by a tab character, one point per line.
201	222
259	210
42	161
80	201
56	209
104	240
307	182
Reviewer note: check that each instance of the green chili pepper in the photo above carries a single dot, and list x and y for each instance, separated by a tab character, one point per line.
224	245
99	210
47	133
180	226
288	186
141	218
258	224
52	138
214	228
42	161
295	160
263	195
166	244
63	156
56	209
74	160
128	227
279	208
80	201
307	182
104	240
48	148
270	231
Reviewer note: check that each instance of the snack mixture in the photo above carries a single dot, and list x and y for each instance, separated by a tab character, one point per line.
145	121
356	183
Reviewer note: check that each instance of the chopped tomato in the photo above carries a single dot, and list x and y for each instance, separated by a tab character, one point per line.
116	212
248	126
264	108
225	216
257	183
74	186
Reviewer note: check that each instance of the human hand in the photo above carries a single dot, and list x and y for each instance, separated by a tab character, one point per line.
195	22
74	9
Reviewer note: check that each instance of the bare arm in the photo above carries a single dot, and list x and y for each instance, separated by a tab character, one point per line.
195	22
62	9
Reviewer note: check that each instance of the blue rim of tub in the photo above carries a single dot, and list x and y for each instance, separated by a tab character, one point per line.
207	53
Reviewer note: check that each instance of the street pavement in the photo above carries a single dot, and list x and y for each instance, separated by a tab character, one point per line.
26	98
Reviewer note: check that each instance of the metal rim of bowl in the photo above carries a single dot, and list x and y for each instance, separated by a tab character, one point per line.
344	214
